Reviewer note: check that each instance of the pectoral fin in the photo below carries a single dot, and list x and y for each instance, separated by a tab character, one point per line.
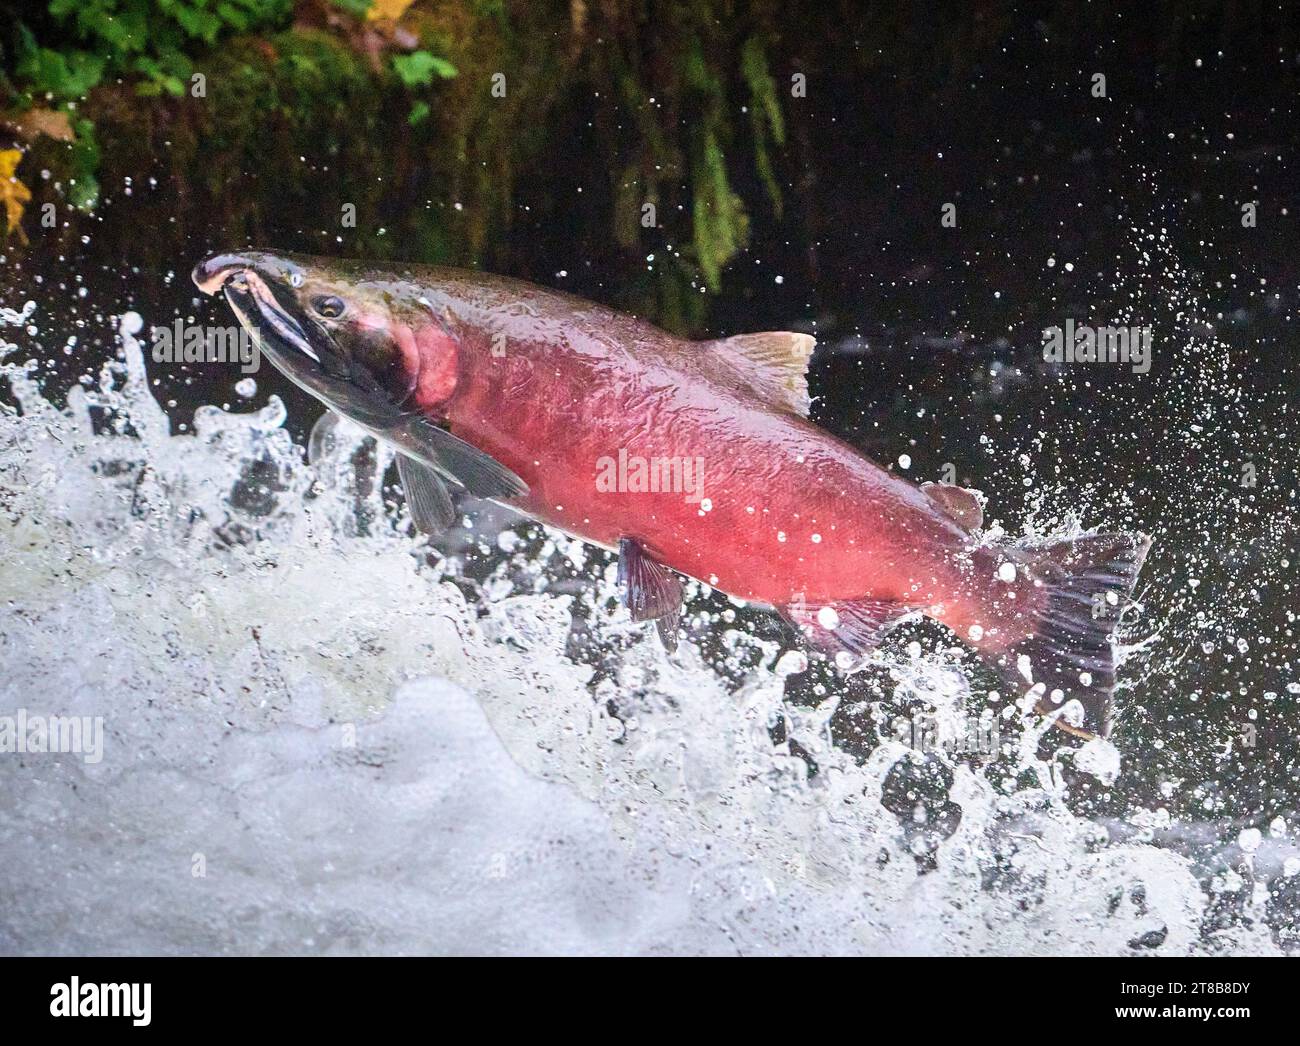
479	473
426	496
854	626
651	590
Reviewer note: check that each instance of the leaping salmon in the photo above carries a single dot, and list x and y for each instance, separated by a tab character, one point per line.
689	458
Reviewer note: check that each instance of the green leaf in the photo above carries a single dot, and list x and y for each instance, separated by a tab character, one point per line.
83	192
65	76
444	68
419	68
353	7
233	16
196	22
303	64
419	113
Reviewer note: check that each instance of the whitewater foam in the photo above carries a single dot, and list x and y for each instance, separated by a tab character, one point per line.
321	736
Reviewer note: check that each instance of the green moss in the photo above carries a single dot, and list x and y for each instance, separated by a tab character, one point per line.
294	123
765	119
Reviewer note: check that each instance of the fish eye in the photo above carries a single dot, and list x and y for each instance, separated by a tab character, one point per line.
329	306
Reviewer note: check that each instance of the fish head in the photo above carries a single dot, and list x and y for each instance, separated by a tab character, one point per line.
345	333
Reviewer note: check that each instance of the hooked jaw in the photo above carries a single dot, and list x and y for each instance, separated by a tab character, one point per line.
260	287
345	363
216	270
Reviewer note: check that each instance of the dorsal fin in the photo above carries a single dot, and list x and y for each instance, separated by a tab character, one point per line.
960	505
775	364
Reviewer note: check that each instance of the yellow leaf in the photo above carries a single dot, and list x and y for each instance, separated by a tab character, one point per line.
13	192
391	9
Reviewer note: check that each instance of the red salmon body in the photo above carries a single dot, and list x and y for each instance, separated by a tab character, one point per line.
767	507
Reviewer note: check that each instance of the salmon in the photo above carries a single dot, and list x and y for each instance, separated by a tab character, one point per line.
689	458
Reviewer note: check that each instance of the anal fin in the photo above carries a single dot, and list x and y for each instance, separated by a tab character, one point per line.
854	626
651	591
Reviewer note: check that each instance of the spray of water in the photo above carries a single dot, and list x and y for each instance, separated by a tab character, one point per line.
321	735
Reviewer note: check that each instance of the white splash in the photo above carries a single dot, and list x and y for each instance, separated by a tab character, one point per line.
316	741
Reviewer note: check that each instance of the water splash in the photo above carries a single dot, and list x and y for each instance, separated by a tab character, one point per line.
322	735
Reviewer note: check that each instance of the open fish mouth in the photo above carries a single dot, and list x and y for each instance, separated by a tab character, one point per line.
269	295
259	288
266	315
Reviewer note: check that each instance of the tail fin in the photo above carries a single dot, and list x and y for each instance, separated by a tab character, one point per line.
1088	581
